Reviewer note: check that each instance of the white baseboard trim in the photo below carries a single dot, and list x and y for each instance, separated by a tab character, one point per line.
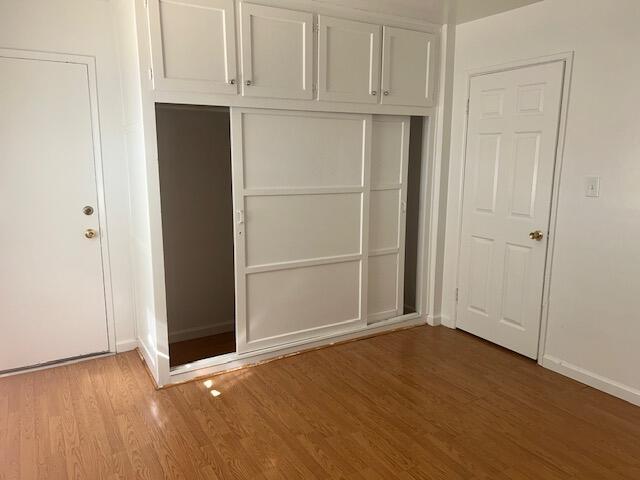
434	320
197	332
126	345
625	392
447	322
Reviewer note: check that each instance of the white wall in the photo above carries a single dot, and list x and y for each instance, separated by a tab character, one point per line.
84	27
594	312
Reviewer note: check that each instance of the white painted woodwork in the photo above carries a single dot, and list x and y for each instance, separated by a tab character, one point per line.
272	140
511	145
276	51
284	219
300	231
408	67
387	216
52	292
348	60
193	45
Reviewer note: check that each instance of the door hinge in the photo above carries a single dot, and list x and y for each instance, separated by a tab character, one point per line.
151	74
146	3
315	27
314	89
468	103
456	295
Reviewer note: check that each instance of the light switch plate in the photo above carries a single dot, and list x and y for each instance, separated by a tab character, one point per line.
592	186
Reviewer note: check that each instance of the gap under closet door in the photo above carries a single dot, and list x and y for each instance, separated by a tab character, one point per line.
387	216
301	188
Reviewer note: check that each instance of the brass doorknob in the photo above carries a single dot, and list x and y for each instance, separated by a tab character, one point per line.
90	233
536	235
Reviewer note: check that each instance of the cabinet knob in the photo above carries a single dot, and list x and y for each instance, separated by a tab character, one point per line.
248	83
373	92
386	92
90	233
232	81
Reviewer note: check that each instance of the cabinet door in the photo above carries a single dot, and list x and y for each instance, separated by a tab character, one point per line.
349	60
408	64
193	45
277	51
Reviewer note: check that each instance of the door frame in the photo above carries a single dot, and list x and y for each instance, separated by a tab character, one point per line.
567	59
92	84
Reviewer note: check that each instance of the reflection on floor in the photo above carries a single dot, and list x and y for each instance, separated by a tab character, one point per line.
187	351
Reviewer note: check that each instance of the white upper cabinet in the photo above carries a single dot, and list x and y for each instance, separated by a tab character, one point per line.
277	52
408	67
193	45
348	60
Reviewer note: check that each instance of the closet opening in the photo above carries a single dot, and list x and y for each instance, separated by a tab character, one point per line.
194	158
414	182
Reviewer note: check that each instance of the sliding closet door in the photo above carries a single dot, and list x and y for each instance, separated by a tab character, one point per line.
301	192
387	217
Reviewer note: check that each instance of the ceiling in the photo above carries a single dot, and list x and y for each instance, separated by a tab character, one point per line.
434	11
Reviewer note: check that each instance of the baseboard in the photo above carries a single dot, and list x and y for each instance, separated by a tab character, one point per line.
126	345
198	332
445	321
625	392
434	320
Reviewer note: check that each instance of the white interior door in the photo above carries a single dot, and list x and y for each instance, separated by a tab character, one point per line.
193	45
348	60
52	299
387	216
408	66
277	52
301	212
511	145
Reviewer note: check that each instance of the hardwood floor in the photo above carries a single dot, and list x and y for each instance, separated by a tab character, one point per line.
187	351
425	403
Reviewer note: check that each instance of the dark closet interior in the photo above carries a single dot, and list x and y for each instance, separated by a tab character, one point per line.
194	157
414	176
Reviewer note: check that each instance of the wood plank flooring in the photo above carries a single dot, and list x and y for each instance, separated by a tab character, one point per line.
425	403
187	351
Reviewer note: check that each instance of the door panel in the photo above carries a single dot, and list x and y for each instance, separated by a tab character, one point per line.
293	151
284	219
52	298
408	67
309	301
387	216
301	196
349	60
277	52
511	144
193	45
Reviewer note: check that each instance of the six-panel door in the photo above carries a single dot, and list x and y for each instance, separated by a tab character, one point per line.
193	45
511	144
348	60
408	64
276	52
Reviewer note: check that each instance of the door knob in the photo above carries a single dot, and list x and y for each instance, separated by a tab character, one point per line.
536	235
90	233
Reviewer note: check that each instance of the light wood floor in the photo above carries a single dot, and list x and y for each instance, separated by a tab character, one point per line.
426	403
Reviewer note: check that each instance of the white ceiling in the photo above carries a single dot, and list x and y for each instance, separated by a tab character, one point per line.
434	11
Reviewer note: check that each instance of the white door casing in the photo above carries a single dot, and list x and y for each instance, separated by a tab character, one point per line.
53	302
301	196
387	216
193	45
276	51
348	60
510	157
408	67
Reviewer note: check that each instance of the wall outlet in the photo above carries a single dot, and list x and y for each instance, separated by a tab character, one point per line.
592	186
